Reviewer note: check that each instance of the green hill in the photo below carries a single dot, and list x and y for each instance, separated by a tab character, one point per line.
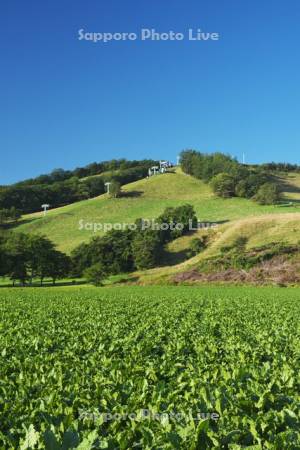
259	230
147	198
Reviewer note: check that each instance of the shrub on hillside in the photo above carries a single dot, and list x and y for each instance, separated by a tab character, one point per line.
268	194
223	185
115	189
182	216
248	186
197	245
95	274
238	245
9	215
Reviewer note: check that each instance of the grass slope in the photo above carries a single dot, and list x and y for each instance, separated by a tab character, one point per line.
259	230
146	198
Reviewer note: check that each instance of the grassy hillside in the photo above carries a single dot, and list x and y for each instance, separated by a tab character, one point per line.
259	231
147	198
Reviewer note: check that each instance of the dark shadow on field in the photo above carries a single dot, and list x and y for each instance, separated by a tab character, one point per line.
126	280
44	285
170	258
173	258
40	218
287	187
206	224
131	194
11	225
121	279
218	222
287	203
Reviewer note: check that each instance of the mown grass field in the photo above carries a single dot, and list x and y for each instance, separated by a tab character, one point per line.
147	198
75	362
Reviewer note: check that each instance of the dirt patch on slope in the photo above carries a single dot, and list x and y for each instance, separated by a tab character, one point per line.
276	271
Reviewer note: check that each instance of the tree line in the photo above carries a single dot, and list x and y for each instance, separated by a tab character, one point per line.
95	168
229	178
280	167
121	251
25	258
9	215
57	190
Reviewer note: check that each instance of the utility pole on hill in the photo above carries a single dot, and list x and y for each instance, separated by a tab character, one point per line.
45	208
107	186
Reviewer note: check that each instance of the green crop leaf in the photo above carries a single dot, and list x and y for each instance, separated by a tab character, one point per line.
50	441
70	440
87	443
209	367
31	439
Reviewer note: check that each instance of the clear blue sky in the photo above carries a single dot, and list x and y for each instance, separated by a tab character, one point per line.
66	103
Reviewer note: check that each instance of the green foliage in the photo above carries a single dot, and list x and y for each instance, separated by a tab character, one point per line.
146	249
70	356
281	167
239	245
226	176
113	251
197	245
236	256
95	274
9	215
3	256
204	166
146	198
62	187
223	185
115	189
31	256
249	184
124	250
268	194
81	258
180	219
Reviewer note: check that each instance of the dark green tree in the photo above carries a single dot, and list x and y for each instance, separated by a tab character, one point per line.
223	185
95	274
146	248
179	220
115	189
17	249
268	194
58	266
32	256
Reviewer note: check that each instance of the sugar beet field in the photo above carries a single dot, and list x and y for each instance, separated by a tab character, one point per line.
150	368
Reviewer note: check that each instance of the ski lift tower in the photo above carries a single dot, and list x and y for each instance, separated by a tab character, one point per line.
45	208
107	186
163	166
178	160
